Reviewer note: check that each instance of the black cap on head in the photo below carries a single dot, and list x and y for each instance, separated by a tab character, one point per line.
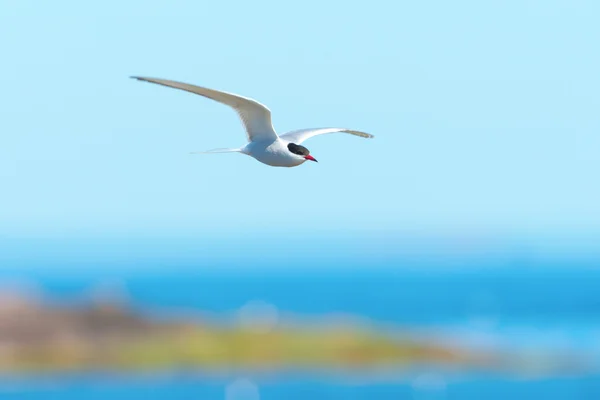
297	149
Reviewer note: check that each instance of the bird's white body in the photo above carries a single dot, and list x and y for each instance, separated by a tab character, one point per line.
275	153
264	144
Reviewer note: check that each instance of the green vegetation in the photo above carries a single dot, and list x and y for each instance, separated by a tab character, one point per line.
35	337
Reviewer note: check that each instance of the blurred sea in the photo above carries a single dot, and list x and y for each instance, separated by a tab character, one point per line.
554	308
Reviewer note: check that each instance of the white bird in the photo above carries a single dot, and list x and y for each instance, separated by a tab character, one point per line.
264	144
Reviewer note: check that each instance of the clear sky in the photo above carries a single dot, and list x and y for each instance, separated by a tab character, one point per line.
485	115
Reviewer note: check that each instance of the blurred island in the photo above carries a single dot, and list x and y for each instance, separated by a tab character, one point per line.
38	336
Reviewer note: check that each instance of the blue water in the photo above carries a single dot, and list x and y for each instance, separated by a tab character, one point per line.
310	388
552	308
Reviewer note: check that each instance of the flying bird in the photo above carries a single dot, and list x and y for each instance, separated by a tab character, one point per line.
263	144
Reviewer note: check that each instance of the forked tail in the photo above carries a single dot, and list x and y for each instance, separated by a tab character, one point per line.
218	151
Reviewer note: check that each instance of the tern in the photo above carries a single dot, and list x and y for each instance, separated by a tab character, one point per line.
264	144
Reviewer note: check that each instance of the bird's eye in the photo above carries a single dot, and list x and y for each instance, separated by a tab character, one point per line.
297	149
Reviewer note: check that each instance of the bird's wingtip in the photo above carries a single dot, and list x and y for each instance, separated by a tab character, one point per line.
141	78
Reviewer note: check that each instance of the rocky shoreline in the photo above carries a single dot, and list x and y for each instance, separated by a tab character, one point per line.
36	336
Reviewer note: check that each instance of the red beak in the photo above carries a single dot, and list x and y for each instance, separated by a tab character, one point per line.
311	158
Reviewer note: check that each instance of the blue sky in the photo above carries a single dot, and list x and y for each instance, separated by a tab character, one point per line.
485	116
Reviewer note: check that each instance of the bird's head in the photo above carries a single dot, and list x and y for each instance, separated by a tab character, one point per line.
300	151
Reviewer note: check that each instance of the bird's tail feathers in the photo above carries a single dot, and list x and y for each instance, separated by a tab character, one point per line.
218	151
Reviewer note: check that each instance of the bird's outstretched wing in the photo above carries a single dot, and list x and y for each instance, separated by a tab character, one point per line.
301	135
255	116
